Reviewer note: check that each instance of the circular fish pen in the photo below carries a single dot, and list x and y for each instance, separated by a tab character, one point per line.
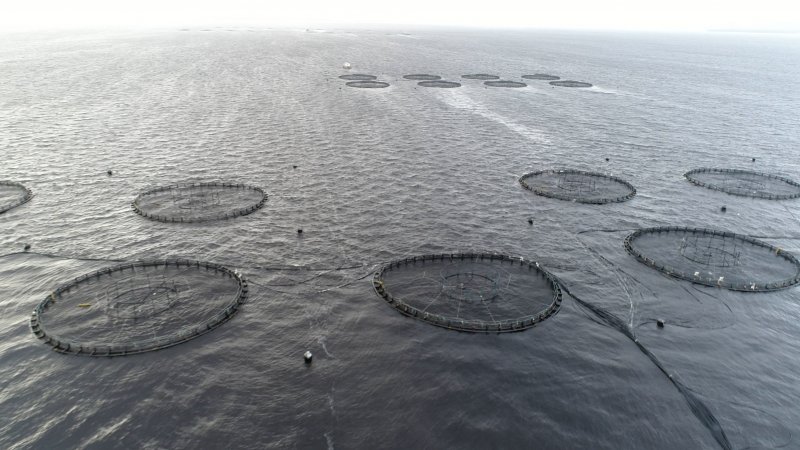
571	83
138	307
578	186
505	84
12	195
358	77
367	84
715	258
422	77
474	292
745	183
439	84
480	76
198	202
541	76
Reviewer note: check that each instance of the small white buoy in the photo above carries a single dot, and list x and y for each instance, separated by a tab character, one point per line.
346	66
307	356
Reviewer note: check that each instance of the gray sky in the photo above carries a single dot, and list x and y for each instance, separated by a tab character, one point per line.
688	15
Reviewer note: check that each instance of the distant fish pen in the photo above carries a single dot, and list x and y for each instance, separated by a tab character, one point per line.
480	76
715	258
541	76
422	77
505	84
439	84
368	84
578	186
138	307
571	83
13	194
472	292
198	202
358	77
745	183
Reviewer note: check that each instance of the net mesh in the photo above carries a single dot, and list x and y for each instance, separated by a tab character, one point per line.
439	84
367	84
422	77
12	195
476	292
505	84
540	76
199	202
745	183
715	258
578	186
480	76
571	83
138	307
357	77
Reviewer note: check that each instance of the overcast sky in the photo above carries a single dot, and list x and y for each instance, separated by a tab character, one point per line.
689	15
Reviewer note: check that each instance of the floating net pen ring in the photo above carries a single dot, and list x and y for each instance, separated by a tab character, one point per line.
198	202
472	292
578	186
138	307
13	194
745	183
715	258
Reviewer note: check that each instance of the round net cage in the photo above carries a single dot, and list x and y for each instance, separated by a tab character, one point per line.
475	292
357	77
12	195
745	183
578	186
480	76
138	307
199	202
540	76
422	77
439	84
715	258
571	83
505	84
367	84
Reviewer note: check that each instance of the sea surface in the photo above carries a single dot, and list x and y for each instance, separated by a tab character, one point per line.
383	174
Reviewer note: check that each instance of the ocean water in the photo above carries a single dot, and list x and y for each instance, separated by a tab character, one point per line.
389	173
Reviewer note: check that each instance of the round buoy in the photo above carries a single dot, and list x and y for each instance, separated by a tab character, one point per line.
660	323
110	172
754	160
307	357
530	221
606	159
346	66
299	231
27	247
294	167
724	208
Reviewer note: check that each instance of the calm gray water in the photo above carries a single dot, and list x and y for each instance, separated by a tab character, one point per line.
388	173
